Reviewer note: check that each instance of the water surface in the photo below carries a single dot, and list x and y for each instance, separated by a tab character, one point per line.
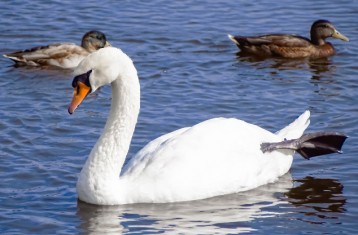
189	71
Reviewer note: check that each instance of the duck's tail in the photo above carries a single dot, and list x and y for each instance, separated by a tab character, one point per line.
16	59
232	38
310	145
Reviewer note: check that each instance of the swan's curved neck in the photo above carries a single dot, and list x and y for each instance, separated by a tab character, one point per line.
104	164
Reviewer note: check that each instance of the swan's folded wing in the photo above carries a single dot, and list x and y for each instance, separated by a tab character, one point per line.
139	161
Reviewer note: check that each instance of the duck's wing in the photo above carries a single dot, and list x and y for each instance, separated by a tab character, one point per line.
280	45
64	55
280	40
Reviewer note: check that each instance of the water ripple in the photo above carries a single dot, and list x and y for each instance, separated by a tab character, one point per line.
189	71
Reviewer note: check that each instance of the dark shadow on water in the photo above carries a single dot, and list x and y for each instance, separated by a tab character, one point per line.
311	198
321	67
319	198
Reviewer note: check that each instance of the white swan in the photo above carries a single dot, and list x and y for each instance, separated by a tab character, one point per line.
215	157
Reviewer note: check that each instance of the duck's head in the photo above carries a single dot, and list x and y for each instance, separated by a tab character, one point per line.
99	68
322	29
94	40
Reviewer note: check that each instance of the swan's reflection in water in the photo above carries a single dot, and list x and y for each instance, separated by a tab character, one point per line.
225	214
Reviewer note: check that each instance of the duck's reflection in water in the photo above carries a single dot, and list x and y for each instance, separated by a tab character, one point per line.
317	67
227	214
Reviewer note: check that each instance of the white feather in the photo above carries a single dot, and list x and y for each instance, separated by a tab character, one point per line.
215	157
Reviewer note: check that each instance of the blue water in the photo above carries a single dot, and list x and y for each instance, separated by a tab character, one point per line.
189	72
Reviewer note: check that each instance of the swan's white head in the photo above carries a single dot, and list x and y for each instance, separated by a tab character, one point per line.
100	68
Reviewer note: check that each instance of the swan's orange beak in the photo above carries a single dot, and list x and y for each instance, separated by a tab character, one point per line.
79	94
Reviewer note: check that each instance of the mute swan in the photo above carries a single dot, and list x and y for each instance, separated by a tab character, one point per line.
291	46
215	157
63	55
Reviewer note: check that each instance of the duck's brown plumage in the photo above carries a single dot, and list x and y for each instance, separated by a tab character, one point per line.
291	46
63	55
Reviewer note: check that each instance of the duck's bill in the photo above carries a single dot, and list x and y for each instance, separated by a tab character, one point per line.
79	94
107	44
338	35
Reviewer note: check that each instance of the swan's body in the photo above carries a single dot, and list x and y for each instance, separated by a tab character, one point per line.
215	157
62	55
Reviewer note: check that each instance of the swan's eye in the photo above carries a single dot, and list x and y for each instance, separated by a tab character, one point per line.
74	82
84	78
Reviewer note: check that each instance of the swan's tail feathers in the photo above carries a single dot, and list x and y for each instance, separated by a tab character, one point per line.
310	145
296	128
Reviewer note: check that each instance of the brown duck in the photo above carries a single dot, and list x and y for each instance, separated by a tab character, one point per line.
291	46
63	55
